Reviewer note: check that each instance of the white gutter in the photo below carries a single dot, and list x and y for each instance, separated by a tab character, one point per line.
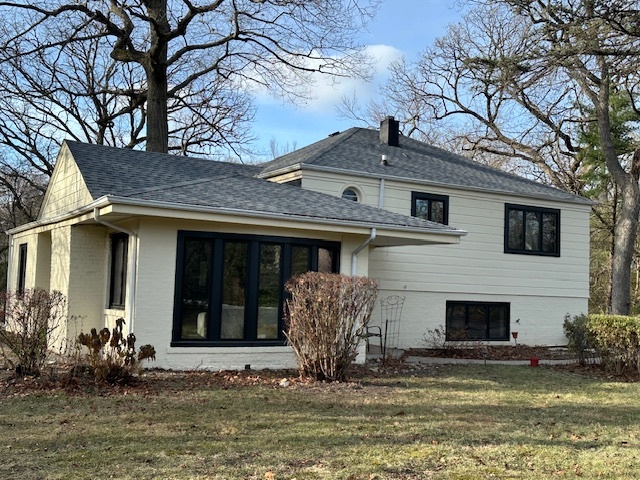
113	200
355	253
100	202
131	272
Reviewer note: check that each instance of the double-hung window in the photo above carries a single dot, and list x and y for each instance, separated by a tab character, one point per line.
531	230
230	288
431	207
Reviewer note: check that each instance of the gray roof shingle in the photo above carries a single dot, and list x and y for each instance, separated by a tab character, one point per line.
359	151
187	181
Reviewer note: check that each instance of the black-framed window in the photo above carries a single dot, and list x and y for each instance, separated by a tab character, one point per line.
22	267
118	271
429	206
477	321
230	287
531	230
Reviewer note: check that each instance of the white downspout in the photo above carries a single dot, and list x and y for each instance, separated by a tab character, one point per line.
10	263
131	272
355	253
372	237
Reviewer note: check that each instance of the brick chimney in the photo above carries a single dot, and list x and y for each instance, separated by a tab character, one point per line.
389	131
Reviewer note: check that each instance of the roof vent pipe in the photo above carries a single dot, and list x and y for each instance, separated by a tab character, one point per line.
383	160
389	131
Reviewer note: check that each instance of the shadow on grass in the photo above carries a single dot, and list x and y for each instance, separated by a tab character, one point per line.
386	423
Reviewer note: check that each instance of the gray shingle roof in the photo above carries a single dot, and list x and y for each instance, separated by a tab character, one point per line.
359	150
190	181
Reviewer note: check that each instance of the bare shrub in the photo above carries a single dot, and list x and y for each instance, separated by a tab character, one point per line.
32	321
456	340
326	318
112	357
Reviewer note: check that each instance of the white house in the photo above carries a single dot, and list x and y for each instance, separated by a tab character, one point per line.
194	253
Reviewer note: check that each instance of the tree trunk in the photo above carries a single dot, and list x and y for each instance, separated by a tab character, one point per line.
626	227
157	122
157	83
612	246
625	240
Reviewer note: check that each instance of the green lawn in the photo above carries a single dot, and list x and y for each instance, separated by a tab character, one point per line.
448	422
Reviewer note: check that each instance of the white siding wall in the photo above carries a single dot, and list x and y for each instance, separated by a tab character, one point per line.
155	298
67	190
541	290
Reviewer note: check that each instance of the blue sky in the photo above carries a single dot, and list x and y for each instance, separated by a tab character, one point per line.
401	28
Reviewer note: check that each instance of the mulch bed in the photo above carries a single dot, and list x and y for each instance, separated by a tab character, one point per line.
156	381
495	352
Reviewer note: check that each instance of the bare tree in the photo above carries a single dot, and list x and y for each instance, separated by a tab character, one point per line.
179	49
597	44
512	80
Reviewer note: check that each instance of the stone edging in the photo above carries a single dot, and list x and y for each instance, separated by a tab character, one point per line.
472	361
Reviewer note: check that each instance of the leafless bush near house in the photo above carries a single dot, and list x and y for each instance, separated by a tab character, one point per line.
326	318
30	327
457	340
111	356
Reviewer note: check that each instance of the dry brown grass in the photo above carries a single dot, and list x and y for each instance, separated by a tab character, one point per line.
452	422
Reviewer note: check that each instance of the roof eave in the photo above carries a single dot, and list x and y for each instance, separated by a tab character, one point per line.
578	200
114	200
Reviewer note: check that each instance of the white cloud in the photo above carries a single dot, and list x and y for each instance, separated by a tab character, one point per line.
325	92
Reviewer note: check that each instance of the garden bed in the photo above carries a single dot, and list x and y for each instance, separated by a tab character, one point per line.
495	352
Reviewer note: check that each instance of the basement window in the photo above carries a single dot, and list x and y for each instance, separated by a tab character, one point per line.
477	321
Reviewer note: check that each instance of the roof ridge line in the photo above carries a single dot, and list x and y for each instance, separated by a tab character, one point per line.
331	143
326	148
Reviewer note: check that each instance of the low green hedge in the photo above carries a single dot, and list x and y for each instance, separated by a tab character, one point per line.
616	339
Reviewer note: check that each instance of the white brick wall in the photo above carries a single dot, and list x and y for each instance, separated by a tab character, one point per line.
88	284
155	299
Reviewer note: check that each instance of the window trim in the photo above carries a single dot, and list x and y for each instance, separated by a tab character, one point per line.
431	197
22	268
467	304
252	279
117	239
508	207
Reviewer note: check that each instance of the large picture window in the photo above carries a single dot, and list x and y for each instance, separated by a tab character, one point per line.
532	230
477	321
430	207
230	288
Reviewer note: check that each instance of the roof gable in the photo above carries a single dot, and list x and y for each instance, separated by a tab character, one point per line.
359	151
67	189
